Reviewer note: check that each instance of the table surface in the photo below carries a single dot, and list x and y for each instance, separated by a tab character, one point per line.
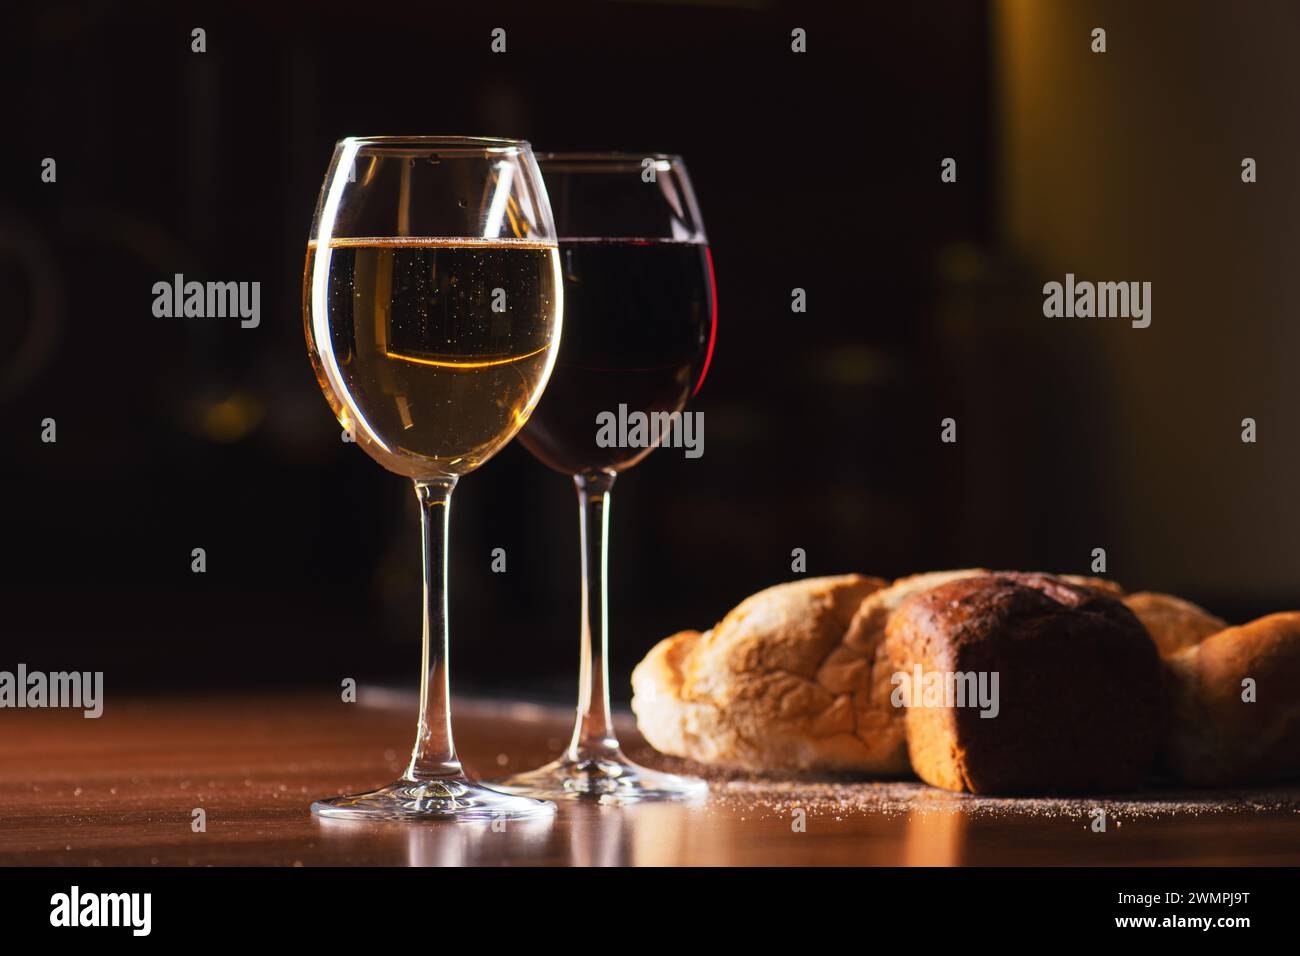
120	790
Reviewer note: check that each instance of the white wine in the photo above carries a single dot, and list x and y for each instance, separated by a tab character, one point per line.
432	352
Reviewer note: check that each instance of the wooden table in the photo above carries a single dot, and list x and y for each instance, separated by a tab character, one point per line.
121	790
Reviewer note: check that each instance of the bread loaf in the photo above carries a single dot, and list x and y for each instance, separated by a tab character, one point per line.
718	697
747	693
803	677
1077	702
1235	715
1173	623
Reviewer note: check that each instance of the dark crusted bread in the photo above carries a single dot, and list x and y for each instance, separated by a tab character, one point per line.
1078	686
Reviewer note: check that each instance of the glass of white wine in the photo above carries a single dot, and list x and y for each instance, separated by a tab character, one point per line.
432	301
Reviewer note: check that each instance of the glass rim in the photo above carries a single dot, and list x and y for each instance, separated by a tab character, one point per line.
607	157
484	144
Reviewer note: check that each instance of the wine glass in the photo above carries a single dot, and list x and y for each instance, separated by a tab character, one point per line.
639	327
432	301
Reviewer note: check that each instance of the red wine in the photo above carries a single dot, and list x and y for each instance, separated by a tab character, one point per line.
638	322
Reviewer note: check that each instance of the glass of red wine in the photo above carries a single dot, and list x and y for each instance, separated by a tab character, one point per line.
639	325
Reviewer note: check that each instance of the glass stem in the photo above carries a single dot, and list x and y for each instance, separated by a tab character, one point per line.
593	733
434	754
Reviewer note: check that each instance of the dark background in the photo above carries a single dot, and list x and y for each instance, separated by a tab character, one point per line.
818	171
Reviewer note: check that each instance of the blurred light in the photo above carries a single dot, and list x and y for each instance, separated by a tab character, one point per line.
854	366
231	419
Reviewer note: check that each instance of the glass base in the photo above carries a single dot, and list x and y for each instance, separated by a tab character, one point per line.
453	798
607	779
